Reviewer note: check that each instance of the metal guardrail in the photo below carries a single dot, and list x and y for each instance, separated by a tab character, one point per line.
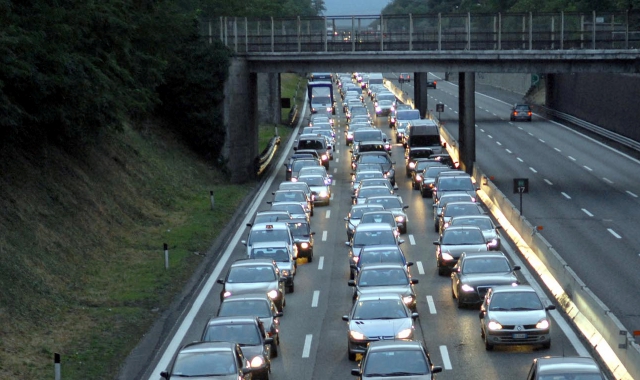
263	161
430	32
630	143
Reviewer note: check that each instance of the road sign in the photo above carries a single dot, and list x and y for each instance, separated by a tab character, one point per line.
439	107
520	185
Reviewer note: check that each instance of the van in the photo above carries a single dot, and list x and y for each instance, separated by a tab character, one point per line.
423	133
375	78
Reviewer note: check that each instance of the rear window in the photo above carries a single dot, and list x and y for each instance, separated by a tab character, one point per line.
408	115
424	140
310	144
522	108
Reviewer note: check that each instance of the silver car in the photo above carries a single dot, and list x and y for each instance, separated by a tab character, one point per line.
446	198
270	232
354	216
514	315
453	242
565	367
281	253
320	188
394	204
377	317
204	360
489	229
362	194
247	276
367	234
452	209
385	278
397	359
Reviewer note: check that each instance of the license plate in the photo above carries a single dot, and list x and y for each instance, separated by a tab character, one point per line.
519	336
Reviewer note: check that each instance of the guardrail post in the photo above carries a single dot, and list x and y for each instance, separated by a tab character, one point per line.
410	32
273	33
221	29
553	32
299	34
210	33
626	31
226	32
56	367
468	30
582	31
246	35
524	30
499	31
439	31
235	33
381	33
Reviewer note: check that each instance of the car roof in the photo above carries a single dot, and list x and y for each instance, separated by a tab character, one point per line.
208	347
366	205
382	345
378	296
388	265
385	196
233	320
270	244
513	289
566	364
246	297
252	262
462	228
297	220
385	247
373	227
484	255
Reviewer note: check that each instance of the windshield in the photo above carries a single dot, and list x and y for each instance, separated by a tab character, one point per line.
462	237
458	209
310	144
483	223
515	301
396	363
259	308
194	364
313	170
386	217
380	256
289	196
425	140
374	159
295	208
298	164
313	181
367	135
277	254
434	170
362	238
454	198
259	236
299	229
373	191
387	202
251	274
387	277
360	176
455	184
241	333
390	97
379	309
485	265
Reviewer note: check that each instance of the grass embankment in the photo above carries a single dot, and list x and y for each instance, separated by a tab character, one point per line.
82	270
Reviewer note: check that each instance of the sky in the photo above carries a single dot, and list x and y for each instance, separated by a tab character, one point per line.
354	7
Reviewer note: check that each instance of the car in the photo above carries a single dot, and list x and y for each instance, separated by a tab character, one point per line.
396	359
432	83
475	273
380	216
367	234
375	173
413	155
452	209
352	128
385	95
209	360
298	164
320	187
565	368
377	278
321	76
405	116
376	182
394	204
392	116
381	158
254	275
421	164
358	110
369	134
303	237
355	215
269	216
452	196
461	182
377	317
404	78
282	255
317	143
288	185
362	194
316	170
381	254
296	209
298	156
514	315
489	229
429	178
260	305
367	146
384	107
299	196
521	112
452	242
268	232
249	333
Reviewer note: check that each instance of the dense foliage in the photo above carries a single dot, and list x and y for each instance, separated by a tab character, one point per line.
452	6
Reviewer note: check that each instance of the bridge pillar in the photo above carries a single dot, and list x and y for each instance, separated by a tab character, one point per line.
240	118
269	98
421	101
467	120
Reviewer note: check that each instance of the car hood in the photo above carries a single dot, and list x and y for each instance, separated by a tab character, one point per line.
319	189
218	377
488	279
250	287
397	212
403	290
457	250
285	265
526	317
414	377
252	351
380	328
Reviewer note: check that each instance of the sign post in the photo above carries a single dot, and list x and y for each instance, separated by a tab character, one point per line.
439	108
520	186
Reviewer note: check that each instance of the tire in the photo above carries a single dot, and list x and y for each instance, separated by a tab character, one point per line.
311	212
274	350
423	194
352	356
435	227
441	270
487	346
547	345
310	257
453	294
459	303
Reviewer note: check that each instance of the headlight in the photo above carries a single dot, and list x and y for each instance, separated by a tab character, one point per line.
412	165
294	179
493	243
257	361
285	272
378	109
493	325
404	334
466	288
273	294
226	294
324	194
447	256
355	259
356	335
304	245
473	199
418	177
543	324
328	109
399	218
407	299
325	157
446	224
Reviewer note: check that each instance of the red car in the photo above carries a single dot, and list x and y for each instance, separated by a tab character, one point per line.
404	77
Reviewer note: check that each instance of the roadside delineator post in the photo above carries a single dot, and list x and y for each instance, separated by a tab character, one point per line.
166	256
56	366
213	202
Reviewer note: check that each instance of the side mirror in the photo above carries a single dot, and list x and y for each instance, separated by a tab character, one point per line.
436	243
498	227
352	283
269	202
355	371
345	318
517	267
409	264
249	224
243	242
436	369
312	233
550	307
405	207
165	374
346	219
220	281
413	281
268	340
414	315
295	148
273	193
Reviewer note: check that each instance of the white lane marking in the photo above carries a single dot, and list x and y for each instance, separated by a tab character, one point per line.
548	182
493	113
455	111
412	240
314	300
489	136
337	159
336	151
632	194
446	362
307	346
612	232
331	196
532	169
321	263
571	158
557	150
520	128
335	170
481	130
586	211
541	140
498	142
565	195
327	214
588	168
530	134
324	235
420	267
519	159
432	305
508	151
607	180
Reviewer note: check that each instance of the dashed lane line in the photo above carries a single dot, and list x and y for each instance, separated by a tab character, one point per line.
321	263
612	232
412	240
586	212
548	182
565	195
432	305
632	194
532	169
327	214
420	267
316	297
324	235
307	346
446	362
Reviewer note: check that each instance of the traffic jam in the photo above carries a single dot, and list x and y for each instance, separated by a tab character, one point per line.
386	171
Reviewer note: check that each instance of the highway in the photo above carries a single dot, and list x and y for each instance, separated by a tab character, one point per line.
313	335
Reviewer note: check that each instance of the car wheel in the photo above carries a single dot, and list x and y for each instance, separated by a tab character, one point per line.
547	345
459	303
441	270
352	356
311	212
424	195
453	294
435	227
310	258
487	346
274	350
415	186
328	202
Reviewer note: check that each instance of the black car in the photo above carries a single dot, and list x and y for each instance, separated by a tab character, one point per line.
303	237
302	154
396	359
521	112
431	83
381	158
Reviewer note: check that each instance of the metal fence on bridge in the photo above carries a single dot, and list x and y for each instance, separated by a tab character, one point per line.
458	31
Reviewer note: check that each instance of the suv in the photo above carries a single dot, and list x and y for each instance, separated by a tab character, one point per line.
404	77
521	112
318	143
254	276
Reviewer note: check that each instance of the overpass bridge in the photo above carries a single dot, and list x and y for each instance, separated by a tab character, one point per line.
463	43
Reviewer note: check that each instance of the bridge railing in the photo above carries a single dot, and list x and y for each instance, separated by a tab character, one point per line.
456	31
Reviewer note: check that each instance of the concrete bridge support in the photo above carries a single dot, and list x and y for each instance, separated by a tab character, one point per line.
240	118
420	95
269	98
467	120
